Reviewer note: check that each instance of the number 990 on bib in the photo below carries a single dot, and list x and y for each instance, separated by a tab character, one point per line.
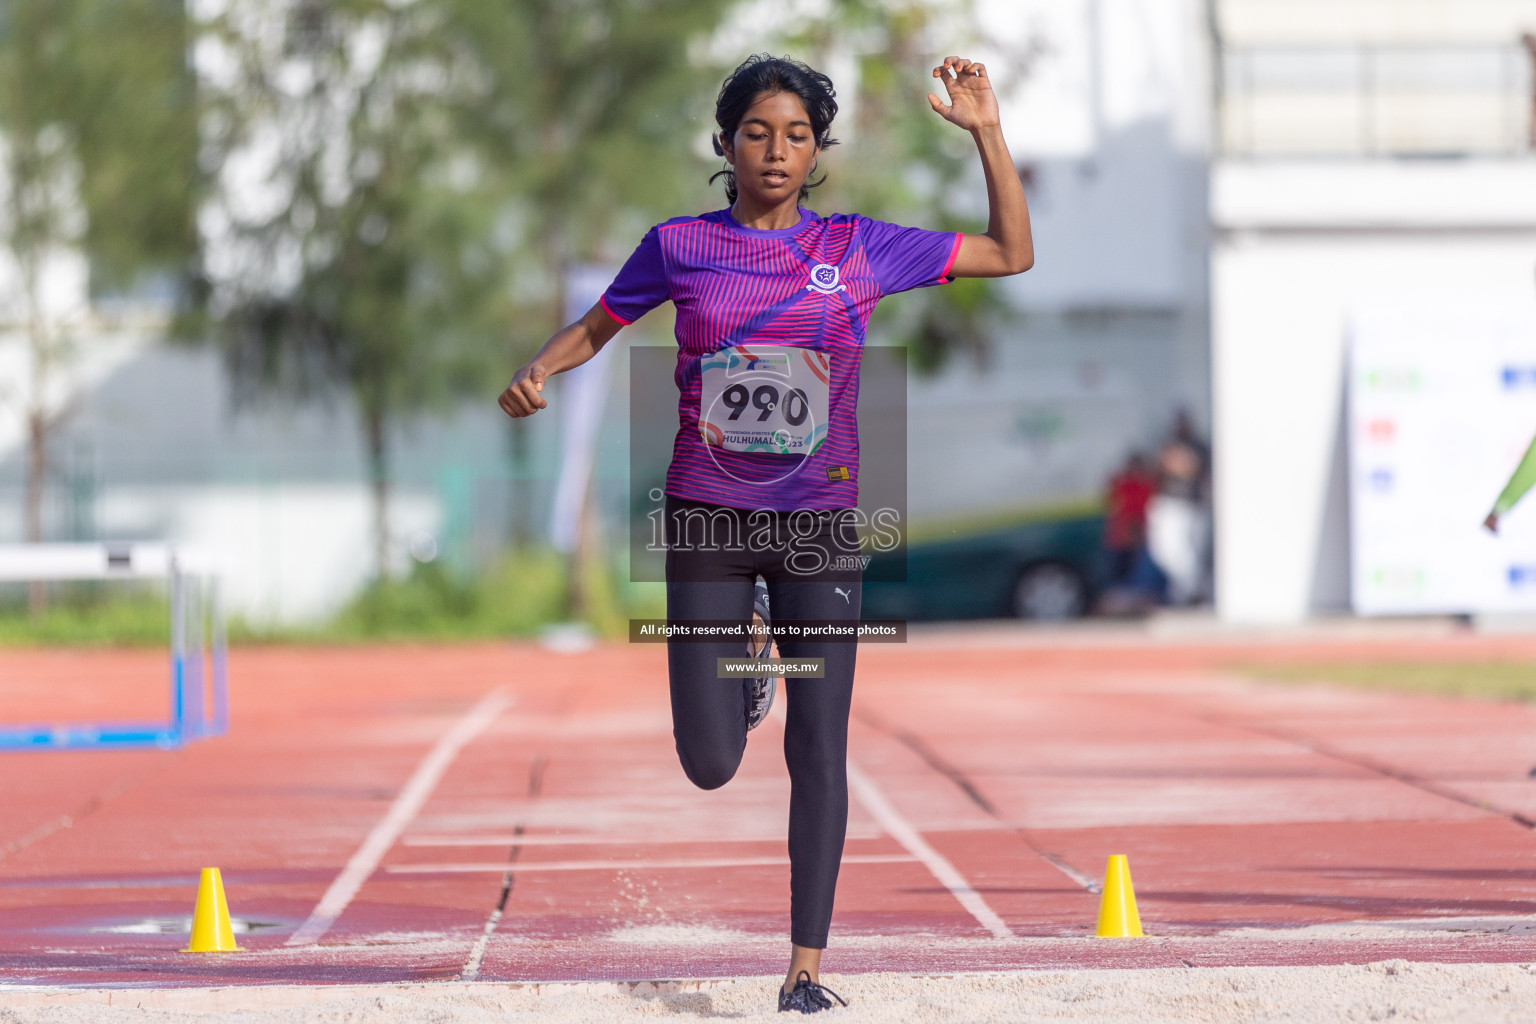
765	398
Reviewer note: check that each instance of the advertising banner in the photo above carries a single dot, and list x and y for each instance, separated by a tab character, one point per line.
1441	408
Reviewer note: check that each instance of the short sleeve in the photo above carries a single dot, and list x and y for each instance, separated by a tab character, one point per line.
903	258
642	283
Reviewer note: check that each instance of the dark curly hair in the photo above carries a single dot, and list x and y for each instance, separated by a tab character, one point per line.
761	73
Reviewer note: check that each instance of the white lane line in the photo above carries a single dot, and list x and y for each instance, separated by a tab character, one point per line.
874	800
629	865
471	969
405	808
890	819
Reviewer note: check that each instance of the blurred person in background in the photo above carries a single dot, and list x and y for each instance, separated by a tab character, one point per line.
770	272
1178	516
1134	583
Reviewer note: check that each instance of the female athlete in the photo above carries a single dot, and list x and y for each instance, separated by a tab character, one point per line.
772	302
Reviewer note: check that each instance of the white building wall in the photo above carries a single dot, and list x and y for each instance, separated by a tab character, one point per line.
1108	120
1298	245
1111	118
1320	201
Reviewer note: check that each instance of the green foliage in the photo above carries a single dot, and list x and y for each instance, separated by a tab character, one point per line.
433	169
370	269
590	120
88	615
514	597
961	318
138	139
99	114
98	139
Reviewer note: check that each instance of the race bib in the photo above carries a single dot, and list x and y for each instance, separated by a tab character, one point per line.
765	398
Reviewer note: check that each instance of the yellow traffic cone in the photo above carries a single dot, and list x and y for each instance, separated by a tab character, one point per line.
211	929
1117	906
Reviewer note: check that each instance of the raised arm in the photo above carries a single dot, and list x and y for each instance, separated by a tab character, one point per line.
1520	482
568	347
1007	247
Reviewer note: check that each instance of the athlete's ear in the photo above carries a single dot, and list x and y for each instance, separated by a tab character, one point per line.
725	146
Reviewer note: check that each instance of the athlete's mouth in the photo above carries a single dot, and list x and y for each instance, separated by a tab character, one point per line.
775	177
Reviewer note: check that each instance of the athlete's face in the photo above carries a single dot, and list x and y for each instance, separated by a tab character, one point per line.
773	149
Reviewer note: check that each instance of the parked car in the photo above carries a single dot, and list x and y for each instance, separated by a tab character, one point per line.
1044	569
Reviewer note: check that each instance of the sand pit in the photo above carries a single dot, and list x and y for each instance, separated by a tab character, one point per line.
1390	990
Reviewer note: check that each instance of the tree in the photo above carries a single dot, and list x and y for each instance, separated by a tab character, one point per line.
596	117
98	140
352	245
431	168
597	122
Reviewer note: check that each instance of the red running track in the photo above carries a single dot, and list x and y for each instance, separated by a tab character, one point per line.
1264	824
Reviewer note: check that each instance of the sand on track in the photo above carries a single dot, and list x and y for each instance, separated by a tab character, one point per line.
1394	990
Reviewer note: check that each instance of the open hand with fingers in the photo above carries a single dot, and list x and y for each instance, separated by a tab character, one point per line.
972	103
522	396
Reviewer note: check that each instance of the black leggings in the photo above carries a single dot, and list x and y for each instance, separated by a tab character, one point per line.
712	577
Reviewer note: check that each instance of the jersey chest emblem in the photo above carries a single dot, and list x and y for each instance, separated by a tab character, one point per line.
825	280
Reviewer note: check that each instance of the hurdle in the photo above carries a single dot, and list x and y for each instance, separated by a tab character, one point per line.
199	664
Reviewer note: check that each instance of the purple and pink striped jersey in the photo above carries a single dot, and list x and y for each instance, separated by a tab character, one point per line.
814	285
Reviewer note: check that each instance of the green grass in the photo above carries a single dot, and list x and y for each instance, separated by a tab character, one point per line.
83	616
971	523
516	596
1501	680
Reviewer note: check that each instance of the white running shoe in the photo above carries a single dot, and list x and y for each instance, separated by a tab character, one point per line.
760	690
